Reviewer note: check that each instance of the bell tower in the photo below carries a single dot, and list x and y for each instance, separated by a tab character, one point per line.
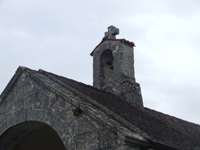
113	67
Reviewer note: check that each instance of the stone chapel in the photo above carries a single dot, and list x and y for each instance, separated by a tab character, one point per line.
40	110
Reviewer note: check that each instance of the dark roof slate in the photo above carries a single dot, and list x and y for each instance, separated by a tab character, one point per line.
156	127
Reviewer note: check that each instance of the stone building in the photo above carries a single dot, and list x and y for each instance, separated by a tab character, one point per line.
40	110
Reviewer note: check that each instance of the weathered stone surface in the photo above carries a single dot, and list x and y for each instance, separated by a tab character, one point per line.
112	31
30	100
113	71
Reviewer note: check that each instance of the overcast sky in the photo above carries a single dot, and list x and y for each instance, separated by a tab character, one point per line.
58	36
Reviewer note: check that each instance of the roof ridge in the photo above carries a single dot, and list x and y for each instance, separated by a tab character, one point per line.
49	74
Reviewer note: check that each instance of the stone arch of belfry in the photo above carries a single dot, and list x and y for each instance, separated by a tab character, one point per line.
106	66
31	135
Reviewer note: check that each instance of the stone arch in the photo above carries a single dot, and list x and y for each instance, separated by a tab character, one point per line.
30	135
106	66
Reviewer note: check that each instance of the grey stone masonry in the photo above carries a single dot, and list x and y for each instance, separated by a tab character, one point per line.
112	31
34	101
113	68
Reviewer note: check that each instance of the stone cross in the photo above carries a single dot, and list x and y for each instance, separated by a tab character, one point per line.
112	31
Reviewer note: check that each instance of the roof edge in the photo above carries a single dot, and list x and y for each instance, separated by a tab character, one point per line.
103	108
12	82
121	40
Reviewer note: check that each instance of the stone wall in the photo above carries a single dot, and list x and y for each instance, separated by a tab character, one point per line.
29	100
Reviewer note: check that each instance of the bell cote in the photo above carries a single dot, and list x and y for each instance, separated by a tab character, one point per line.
113	67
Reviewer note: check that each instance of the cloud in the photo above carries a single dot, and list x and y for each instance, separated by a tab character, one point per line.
58	36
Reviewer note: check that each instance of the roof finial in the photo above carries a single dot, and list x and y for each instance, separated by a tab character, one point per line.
112	31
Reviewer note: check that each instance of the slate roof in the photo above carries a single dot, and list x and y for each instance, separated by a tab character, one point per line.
158	128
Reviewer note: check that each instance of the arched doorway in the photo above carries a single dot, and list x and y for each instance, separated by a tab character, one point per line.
31	135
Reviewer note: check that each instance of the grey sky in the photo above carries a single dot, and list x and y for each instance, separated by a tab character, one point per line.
58	36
